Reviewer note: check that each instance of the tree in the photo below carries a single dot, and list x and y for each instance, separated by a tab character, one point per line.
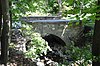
60	7
0	18
5	31
96	38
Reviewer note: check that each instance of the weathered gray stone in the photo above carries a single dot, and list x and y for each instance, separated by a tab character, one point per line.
49	25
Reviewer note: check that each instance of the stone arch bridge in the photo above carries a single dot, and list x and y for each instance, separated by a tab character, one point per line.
52	25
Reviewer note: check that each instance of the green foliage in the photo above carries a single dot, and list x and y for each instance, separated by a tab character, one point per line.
53	6
71	9
84	53
80	56
79	10
96	58
37	46
20	8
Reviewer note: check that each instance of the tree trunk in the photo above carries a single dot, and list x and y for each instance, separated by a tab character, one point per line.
96	39
60	8
0	19
0	25
5	31
96	43
10	11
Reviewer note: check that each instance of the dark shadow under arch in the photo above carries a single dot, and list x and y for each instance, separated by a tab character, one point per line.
53	39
